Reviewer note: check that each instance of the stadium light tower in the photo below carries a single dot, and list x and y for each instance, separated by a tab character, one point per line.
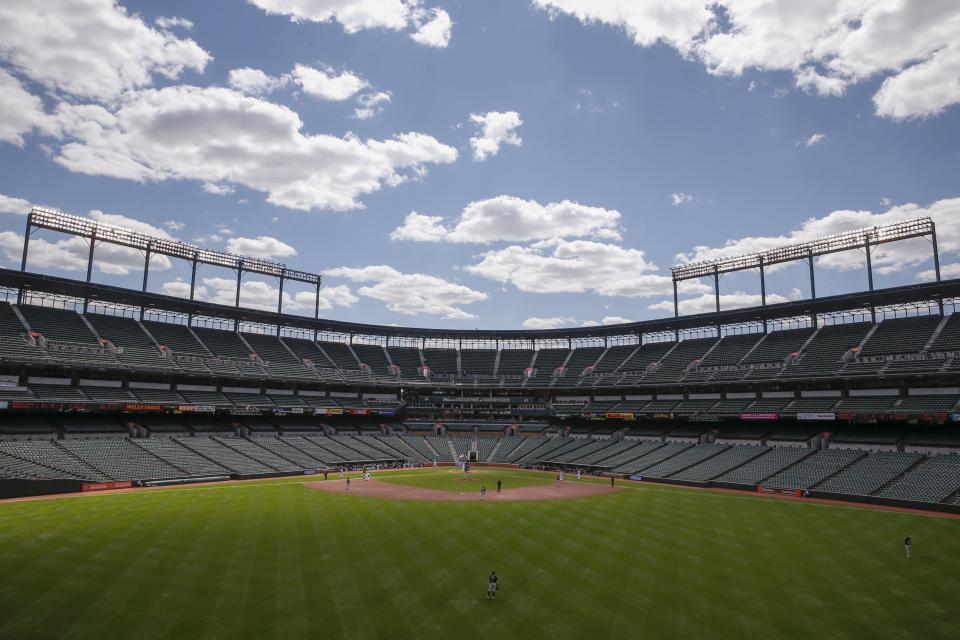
862	239
99	233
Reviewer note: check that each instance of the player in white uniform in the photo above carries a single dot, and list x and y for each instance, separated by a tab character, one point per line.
907	545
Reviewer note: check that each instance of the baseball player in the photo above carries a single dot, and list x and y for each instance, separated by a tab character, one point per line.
492	586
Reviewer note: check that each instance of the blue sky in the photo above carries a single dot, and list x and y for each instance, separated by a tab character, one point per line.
519	164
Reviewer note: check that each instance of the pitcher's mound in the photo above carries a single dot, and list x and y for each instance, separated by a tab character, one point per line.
380	489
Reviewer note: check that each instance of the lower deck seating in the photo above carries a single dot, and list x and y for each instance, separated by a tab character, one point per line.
814	469
14	467
870	473
688	458
933	481
224	456
654	457
121	460
721	463
177	455
764	466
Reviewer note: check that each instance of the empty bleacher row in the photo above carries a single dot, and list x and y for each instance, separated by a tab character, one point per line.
913	345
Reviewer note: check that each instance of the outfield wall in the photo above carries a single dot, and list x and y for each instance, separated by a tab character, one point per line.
21	488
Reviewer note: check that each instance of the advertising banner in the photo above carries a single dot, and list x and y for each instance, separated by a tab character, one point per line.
53	406
245	411
196	408
140	407
759	416
817	416
621	415
104	486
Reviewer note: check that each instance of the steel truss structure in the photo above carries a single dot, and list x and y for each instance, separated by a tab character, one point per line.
851	240
98	232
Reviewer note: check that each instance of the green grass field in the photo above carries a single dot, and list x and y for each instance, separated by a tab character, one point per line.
274	559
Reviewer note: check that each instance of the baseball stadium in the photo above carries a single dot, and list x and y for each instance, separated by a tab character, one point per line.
222	472
479	320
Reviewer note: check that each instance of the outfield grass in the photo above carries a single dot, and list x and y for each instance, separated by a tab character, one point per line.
275	559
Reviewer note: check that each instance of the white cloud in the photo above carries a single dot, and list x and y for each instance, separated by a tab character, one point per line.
676	23
512	219
809	80
174	225
218	189
21	111
547	323
91	48
257	294
706	303
421	228
496	128
436	31
260	247
680	199
19	206
220	136
411	293
371	104
354	15
578	266
816	138
951	270
887	258
925	89
255	82
174	23
605	321
326	84
828	45
432	26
